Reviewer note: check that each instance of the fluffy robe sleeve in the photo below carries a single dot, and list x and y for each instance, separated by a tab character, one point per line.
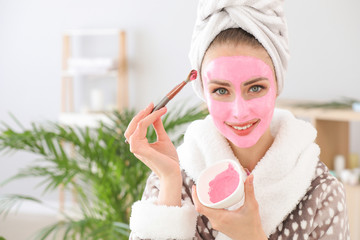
151	221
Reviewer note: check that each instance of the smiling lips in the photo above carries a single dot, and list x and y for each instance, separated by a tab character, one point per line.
245	128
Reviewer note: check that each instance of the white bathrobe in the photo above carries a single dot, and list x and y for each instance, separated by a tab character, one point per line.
281	180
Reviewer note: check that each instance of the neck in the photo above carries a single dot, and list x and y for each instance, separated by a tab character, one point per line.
249	157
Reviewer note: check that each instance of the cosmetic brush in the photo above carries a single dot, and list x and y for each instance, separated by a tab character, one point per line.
192	76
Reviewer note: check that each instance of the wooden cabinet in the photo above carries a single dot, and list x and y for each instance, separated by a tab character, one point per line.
99	68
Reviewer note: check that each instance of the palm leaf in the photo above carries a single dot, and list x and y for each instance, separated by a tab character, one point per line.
11	201
343	103
96	163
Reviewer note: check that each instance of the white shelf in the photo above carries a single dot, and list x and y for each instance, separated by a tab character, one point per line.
83	119
95	62
91	32
101	67
112	73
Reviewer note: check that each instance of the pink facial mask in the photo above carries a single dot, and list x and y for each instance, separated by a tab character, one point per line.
242	121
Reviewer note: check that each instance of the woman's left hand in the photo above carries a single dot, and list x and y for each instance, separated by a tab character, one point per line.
243	223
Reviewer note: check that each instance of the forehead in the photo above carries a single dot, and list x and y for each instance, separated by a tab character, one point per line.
228	50
237	68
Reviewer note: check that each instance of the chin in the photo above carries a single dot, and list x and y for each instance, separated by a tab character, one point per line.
244	143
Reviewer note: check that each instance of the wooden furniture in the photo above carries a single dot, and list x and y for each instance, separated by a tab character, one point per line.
332	126
120	72
68	114
353	209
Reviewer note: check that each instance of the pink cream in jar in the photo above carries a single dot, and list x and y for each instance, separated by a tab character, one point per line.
224	184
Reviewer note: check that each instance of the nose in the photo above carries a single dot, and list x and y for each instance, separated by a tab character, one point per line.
240	108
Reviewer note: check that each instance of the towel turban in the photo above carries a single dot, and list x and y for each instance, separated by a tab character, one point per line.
264	19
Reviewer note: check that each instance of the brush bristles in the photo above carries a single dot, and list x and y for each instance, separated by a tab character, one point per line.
192	76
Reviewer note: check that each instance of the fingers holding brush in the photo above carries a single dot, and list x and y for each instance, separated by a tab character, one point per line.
160	130
160	156
142	126
134	122
135	133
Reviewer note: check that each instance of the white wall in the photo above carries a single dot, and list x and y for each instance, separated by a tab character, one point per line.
324	38
324	41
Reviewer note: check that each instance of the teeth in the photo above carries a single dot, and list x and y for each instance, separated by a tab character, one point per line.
243	128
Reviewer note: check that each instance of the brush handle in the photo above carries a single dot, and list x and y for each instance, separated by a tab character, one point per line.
170	96
173	92
161	104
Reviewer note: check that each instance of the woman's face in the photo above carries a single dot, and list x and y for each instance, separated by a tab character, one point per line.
240	91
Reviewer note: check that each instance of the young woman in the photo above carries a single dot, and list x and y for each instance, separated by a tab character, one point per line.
289	193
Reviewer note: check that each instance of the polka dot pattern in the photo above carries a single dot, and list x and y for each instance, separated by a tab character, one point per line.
320	214
317	214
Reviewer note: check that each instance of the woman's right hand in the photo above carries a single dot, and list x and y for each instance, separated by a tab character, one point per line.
161	156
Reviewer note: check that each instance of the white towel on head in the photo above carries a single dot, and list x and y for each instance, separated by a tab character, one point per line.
264	19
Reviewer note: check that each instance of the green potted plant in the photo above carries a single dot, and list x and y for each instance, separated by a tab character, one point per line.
105	175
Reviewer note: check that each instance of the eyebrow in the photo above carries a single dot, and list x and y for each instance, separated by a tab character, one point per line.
255	80
220	83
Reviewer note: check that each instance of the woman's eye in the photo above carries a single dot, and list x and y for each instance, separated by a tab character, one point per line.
221	91
256	88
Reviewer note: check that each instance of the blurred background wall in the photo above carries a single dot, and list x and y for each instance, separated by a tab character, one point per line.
324	40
